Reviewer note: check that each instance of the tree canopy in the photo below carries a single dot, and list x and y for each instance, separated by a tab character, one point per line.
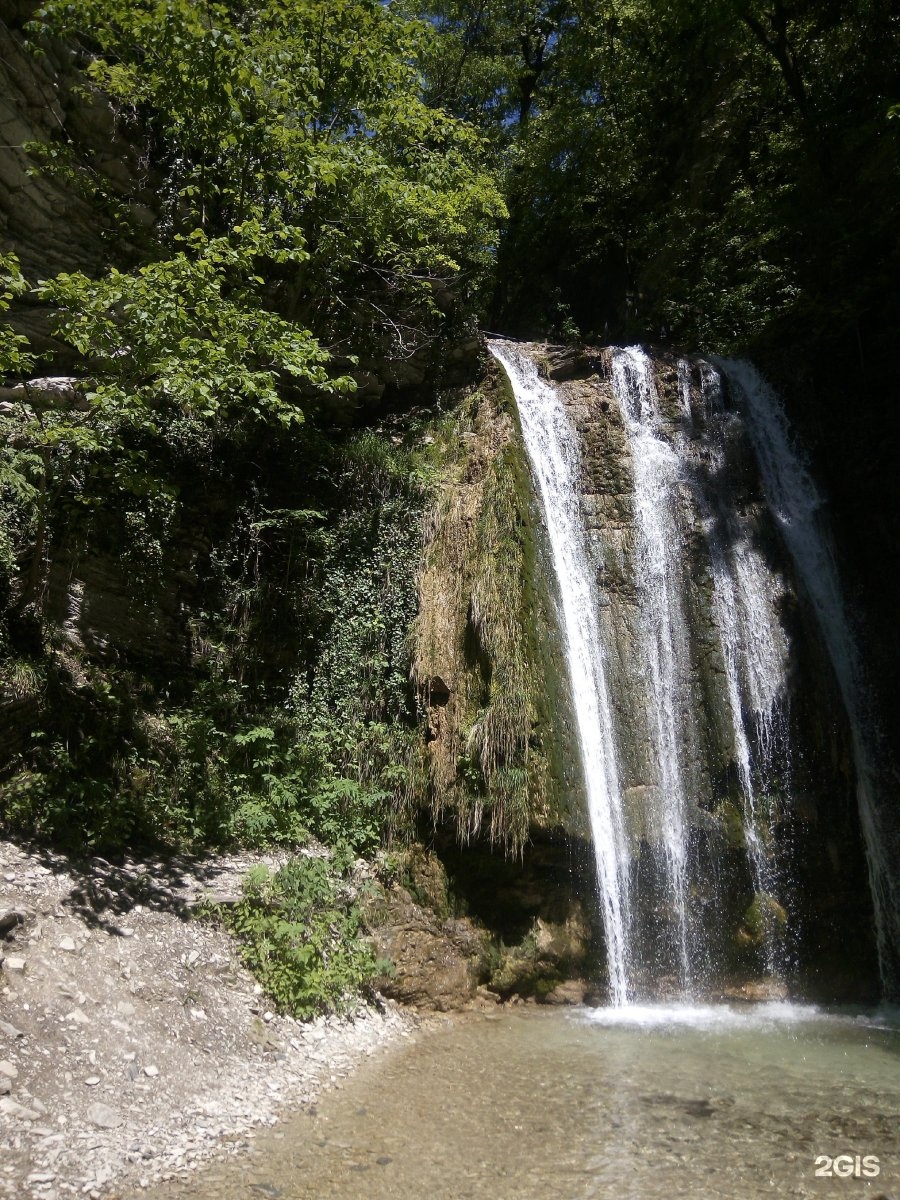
715	171
298	172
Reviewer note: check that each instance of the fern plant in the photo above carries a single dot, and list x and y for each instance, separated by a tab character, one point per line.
302	935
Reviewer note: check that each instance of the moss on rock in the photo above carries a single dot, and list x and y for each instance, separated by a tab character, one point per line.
488	679
764	919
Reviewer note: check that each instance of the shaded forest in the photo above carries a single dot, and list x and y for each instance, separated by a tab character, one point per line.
234	390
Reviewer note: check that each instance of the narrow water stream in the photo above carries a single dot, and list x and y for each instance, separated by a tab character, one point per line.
624	1104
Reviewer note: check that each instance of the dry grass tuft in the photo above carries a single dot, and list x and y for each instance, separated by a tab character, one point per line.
472	667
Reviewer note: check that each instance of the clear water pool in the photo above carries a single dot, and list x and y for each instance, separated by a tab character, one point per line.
648	1102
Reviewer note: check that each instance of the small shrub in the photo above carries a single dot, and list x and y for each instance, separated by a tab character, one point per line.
302	937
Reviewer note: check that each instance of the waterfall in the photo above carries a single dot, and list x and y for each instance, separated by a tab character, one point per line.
796	505
663	642
552	445
753	644
683	627
666	458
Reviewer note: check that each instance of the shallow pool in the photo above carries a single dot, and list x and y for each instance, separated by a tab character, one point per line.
647	1102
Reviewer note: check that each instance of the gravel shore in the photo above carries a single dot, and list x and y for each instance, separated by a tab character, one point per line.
133	1044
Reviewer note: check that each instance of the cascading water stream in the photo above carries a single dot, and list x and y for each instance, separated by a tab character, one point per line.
754	648
552	445
687	461
663	643
796	504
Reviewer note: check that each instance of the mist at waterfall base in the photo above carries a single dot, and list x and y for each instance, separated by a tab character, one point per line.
722	544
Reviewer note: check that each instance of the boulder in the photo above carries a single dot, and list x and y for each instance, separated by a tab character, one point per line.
10	921
103	1116
436	964
570	991
52	391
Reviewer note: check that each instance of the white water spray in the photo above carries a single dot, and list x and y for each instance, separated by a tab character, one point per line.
796	504
553	450
753	643
664	639
685	477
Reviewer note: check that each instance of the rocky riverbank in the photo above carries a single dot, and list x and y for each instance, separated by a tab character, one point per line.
133	1044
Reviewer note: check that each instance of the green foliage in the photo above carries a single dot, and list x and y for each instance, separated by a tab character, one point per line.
176	344
14	357
302	118
191	334
302	935
182	781
20	468
229	753
311	209
51	798
720	173
489	60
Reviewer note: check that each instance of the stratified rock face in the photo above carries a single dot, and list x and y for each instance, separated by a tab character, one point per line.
47	218
608	501
107	612
50	228
43	217
499	752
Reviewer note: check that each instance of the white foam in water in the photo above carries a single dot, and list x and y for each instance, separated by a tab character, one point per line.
887	1016
710	1017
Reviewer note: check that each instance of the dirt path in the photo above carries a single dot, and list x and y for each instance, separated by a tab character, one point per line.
133	1044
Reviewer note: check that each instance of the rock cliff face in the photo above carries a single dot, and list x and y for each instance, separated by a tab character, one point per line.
487	656
498	752
50	228
56	205
799	876
497	790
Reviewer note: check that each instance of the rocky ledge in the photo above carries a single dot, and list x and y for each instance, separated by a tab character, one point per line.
133	1044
